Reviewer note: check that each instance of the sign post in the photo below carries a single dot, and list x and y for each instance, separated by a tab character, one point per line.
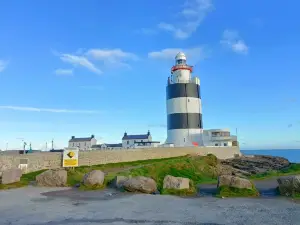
70	157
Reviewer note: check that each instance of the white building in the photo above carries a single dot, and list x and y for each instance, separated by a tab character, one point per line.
82	143
219	137
138	141
106	146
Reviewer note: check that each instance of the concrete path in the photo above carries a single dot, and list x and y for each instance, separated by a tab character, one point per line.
27	206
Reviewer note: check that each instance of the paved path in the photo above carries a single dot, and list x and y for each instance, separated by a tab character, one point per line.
27	206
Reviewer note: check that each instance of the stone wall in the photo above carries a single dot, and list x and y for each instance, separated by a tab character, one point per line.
52	160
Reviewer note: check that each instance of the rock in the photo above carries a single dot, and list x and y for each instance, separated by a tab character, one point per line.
156	192
94	177
77	185
119	181
140	184
290	185
171	182
233	181
256	164
11	176
52	178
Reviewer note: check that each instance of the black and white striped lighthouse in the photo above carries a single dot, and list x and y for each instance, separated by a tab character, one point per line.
184	110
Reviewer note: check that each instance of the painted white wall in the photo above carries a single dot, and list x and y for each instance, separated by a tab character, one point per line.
222	141
184	137
181	76
130	143
83	145
184	105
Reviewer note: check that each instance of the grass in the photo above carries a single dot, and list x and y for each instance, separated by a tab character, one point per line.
293	169
197	169
226	191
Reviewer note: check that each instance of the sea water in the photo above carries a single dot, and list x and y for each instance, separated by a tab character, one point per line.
293	155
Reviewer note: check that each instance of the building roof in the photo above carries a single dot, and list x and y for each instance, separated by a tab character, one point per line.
73	139
136	136
147	142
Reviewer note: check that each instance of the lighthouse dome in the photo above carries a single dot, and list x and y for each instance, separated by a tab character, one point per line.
180	55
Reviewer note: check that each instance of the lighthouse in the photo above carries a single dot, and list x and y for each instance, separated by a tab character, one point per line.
184	112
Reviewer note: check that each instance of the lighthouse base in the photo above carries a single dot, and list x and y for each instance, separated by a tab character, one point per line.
185	137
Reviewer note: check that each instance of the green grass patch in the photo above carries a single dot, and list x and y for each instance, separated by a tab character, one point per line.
226	191
293	169
196	169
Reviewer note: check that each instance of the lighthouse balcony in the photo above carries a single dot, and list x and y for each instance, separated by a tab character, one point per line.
181	67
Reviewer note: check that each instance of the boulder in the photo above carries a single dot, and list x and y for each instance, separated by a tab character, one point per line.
171	182
233	181
118	181
11	176
256	164
289	185
95	177
52	178
140	184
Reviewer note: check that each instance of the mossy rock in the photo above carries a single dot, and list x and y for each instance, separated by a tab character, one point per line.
192	191
227	191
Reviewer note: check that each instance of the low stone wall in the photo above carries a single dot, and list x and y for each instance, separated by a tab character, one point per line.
52	160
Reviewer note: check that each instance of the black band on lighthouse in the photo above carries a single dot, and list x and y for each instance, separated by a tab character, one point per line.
185	121
183	90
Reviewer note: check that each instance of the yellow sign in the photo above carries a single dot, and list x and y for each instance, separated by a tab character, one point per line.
70	157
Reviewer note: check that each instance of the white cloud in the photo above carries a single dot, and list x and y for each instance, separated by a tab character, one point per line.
3	65
191	16
63	72
232	40
193	54
116	57
33	109
77	60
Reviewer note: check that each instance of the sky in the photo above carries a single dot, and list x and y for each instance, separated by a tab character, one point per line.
77	68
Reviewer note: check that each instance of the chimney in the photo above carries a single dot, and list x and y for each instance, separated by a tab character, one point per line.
72	137
93	136
148	133
125	134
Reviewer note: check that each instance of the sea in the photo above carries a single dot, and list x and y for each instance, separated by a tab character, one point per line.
293	155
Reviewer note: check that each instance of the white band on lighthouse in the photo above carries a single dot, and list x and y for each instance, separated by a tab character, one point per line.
184	112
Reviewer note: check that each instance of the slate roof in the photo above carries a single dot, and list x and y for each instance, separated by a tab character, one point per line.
138	136
80	139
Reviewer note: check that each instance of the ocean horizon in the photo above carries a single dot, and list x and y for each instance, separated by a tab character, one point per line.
293	155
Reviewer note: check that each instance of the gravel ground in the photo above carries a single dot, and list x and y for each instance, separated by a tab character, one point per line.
66	206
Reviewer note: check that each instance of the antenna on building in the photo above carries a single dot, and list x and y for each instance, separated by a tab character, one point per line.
52	144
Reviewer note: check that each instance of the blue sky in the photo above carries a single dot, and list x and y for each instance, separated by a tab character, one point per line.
89	67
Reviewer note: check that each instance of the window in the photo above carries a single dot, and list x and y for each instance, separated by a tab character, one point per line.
84	143
73	144
225	144
183	139
216	144
79	145
188	100
128	142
